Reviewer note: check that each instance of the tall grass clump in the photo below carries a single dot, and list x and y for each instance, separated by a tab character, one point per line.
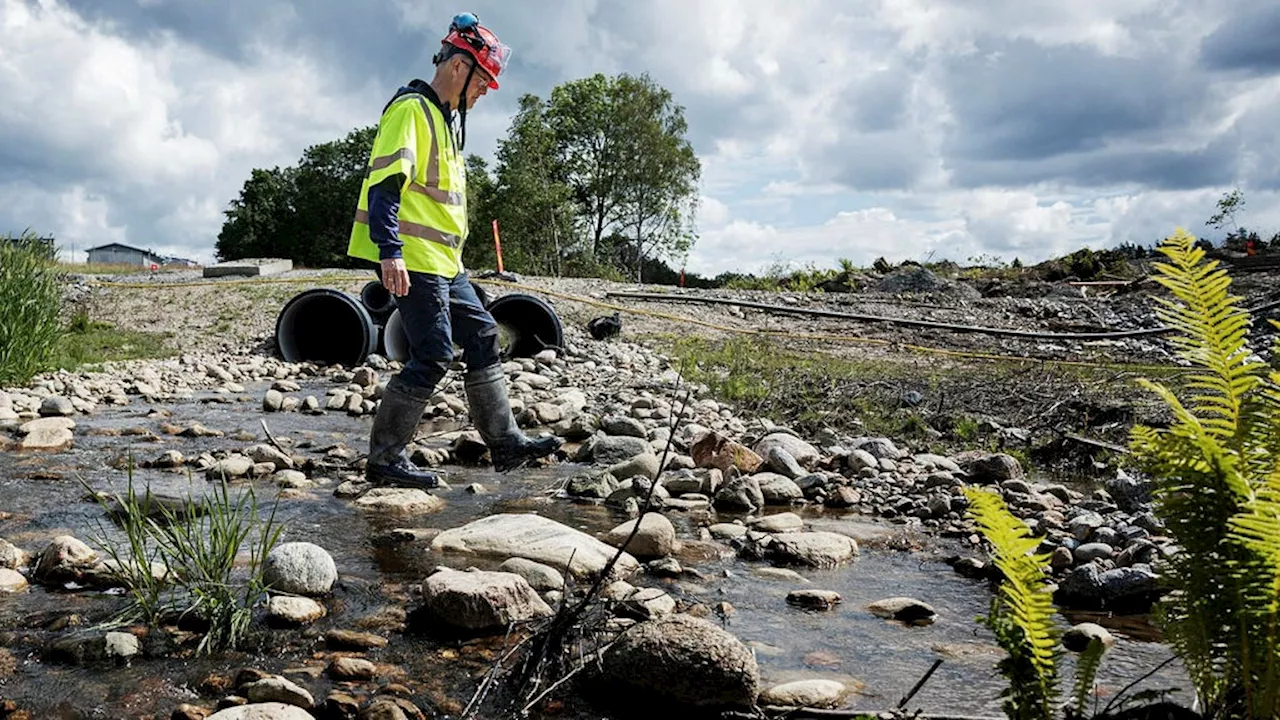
30	305
179	559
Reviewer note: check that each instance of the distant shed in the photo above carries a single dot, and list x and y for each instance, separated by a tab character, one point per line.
120	254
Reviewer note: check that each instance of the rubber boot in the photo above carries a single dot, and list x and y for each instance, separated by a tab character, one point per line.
491	414
393	428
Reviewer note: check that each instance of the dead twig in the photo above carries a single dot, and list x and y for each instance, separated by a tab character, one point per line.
272	438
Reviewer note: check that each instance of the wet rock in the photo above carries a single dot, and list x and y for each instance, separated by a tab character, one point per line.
189	712
540	577
623	426
1077	638
805	693
277	689
12	556
778	523
859	460
1093	551
121	647
263	711
478	600
386	708
88	647
272	401
351	489
814	599
56	406
780	461
1130	494
645	465
780	574
778	489
717	451
844	497
400	501
811	549
11	581
291	480
294	610
341	706
536	538
352	640
904	609
230	468
727	531
1128	589
800	453
300	568
1083	525
740	494
1061	558
268	454
681	660
47	434
598	486
65	559
656	537
350	668
647	604
613	449
992	469
664	568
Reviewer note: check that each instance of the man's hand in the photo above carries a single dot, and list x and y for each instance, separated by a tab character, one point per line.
395	277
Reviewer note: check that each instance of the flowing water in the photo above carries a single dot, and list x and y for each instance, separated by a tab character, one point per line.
41	496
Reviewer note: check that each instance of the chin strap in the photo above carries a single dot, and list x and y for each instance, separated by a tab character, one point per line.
462	105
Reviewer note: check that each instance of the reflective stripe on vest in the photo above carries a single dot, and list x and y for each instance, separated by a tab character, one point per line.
415	230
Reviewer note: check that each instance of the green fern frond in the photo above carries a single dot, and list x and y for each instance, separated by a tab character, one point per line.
1022	612
1212	332
1217	489
1087	672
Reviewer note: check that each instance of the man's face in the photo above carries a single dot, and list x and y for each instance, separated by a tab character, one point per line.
480	79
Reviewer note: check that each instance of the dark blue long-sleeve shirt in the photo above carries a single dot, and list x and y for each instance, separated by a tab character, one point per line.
384	209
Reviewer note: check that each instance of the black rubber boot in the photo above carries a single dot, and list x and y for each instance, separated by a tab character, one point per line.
491	414
393	428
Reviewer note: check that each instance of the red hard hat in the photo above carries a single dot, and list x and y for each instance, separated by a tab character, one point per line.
479	42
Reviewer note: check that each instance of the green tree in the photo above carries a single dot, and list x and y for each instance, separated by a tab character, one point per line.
303	213
532	198
622	150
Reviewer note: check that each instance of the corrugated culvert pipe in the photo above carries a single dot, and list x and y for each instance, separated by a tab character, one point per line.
378	301
527	325
326	327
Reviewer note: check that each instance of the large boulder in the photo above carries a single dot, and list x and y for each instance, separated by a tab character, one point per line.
300	568
479	600
713	450
536	538
802	452
656	537
613	449
262	711
812	549
683	661
64	559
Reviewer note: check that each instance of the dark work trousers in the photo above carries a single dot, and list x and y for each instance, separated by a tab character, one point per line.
437	313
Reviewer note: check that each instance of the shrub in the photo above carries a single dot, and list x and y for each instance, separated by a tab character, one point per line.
30	305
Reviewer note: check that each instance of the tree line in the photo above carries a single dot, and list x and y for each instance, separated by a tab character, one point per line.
597	179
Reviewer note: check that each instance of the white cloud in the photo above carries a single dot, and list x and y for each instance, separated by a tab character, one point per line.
826	129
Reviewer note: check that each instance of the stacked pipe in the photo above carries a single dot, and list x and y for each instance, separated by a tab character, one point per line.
329	327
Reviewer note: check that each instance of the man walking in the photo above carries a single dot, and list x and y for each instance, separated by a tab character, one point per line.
412	221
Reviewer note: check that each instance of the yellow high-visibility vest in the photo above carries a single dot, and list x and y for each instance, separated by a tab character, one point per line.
413	140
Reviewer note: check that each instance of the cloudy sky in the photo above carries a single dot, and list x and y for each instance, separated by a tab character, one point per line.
909	129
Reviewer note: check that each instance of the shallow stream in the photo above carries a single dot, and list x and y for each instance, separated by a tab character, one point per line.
41	496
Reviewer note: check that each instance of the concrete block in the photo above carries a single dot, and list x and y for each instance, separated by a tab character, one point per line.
249	267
